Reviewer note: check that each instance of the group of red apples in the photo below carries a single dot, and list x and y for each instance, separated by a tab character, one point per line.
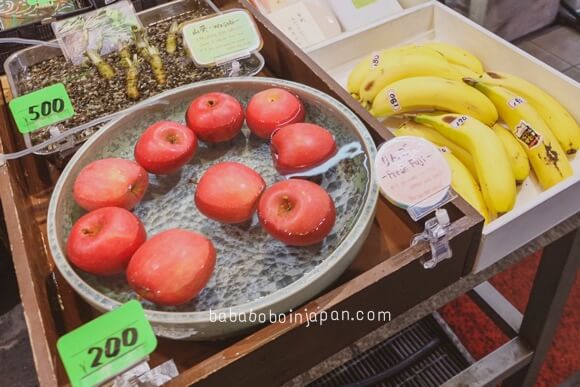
173	266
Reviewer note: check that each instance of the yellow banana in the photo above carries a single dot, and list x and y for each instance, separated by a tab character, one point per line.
558	119
547	157
463	182
411	128
422	93
371	62
422	61
491	162
516	153
457	55
464	71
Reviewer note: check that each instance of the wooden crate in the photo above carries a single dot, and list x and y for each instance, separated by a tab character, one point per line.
386	276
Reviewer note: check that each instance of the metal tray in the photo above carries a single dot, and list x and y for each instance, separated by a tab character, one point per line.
18	62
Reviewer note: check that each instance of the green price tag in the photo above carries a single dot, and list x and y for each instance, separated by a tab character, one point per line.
362	3
41	108
107	346
225	37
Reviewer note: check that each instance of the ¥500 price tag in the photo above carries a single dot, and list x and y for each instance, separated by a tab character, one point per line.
107	346
41	108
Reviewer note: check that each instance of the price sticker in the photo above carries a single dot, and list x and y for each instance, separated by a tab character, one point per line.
107	346
222	38
41	108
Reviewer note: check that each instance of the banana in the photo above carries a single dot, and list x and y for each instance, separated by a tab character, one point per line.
457	55
463	182
558	119
547	157
420	61
491	162
369	63
411	128
516	153
464	71
421	93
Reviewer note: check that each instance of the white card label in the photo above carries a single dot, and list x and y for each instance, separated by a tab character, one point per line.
412	172
298	23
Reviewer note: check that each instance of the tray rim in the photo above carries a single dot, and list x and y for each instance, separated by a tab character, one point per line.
365	217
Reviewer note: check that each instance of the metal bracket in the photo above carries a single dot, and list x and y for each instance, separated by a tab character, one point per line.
436	234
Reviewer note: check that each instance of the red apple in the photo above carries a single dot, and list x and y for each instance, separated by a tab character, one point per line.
172	267
271	109
103	241
297	212
110	183
165	147
215	117
300	146
228	192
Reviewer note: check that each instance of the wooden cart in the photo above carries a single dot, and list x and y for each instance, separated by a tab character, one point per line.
386	275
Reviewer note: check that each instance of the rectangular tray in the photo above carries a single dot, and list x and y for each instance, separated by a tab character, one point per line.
20	60
536	211
387	275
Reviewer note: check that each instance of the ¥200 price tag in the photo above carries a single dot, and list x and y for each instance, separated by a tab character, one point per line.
41	108
107	346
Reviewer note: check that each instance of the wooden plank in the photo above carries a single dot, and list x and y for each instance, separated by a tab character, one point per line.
28	256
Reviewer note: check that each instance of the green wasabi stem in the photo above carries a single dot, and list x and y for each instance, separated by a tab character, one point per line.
132	67
104	69
171	41
124	54
141	42
156	64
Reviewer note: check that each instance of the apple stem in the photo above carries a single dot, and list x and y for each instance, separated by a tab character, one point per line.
193	181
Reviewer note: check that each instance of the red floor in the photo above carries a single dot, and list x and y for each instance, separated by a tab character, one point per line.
480	336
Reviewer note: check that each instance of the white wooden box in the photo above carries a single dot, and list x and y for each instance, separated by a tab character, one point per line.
536	211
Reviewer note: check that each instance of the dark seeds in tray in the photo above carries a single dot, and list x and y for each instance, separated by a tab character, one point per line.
94	97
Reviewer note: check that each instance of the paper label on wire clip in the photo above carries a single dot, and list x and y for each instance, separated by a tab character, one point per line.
412	173
222	38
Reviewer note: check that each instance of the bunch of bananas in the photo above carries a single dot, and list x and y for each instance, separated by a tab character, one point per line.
456	106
